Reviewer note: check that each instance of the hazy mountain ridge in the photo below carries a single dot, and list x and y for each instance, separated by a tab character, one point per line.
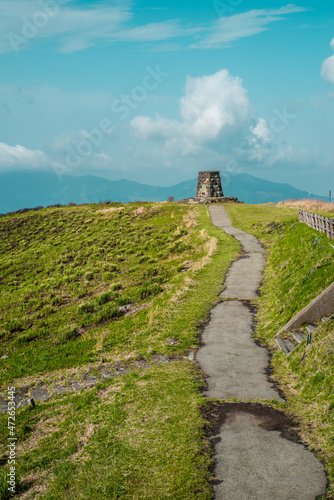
26	190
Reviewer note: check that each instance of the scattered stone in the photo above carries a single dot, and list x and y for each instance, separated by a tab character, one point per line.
3	406
126	308
40	394
43	391
324	319
4	357
171	341
310	328
124	371
186	266
75	386
141	363
106	375
191	356
89	380
59	389
134	309
123	309
21	403
159	359
24	389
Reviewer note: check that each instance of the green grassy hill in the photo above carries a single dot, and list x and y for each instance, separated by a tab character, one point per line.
109	299
100	315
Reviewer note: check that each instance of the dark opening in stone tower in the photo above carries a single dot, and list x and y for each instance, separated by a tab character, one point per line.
209	185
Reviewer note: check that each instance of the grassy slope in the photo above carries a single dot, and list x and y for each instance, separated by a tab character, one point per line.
299	266
65	273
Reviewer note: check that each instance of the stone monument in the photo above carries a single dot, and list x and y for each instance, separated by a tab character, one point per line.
209	185
209	189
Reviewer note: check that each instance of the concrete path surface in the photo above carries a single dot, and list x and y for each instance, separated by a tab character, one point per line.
256	462
236	366
253	459
238	285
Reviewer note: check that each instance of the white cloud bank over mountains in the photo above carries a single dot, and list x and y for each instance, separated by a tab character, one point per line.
216	111
218	127
327	69
12	157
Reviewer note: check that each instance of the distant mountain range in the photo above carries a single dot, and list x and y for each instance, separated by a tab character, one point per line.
28	190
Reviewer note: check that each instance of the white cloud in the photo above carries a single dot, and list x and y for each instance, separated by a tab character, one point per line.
216	110
73	26
213	103
261	133
327	69
151	32
232	28
160	127
19	157
218	127
77	27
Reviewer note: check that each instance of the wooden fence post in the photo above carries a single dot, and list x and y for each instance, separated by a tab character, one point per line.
318	222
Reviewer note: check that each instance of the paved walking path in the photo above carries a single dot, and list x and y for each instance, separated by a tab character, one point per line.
254	459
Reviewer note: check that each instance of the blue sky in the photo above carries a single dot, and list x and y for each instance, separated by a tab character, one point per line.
155	94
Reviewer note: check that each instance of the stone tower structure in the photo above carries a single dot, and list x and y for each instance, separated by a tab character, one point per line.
209	185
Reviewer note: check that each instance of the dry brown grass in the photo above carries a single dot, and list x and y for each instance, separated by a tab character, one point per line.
204	235
39	482
140	210
45	427
99	343
309	205
191	218
108	394
181	292
82	443
211	246
109	210
151	316
135	309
